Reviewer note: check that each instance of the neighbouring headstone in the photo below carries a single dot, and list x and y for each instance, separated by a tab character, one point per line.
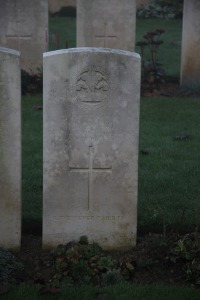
10	149
24	27
91	125
107	24
190	61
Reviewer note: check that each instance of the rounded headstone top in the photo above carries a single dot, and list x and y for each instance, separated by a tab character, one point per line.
10	51
92	50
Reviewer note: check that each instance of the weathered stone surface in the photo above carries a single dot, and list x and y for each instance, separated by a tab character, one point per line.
91	120
190	61
107	24
10	149
24	27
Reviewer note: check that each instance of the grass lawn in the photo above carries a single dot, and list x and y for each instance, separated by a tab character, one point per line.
32	163
65	28
169	175
119	292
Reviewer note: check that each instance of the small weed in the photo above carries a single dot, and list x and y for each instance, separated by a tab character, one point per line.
186	253
11	269
152	70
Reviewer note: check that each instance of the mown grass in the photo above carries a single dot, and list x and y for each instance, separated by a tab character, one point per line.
169	173
32	163
119	292
65	27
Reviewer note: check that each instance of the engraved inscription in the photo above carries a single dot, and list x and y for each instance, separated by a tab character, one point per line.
89	218
90	170
105	37
18	26
92	85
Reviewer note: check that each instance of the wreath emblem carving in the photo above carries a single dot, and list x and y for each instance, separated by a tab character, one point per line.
92	85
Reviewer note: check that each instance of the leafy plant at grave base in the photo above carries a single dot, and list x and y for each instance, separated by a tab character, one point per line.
84	263
11	270
32	83
153	72
186	253
112	277
161	9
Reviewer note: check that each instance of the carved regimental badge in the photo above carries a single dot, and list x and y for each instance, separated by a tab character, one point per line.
92	85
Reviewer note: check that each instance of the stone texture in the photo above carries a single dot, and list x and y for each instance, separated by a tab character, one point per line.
107	24
190	61
24	27
10	149
91	120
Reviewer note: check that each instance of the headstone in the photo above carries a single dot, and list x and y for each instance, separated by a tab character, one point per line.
107	24
190	61
91	119
10	149
24	27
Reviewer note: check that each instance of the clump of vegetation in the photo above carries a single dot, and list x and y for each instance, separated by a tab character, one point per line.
32	83
185	253
11	269
153	72
84	263
161	9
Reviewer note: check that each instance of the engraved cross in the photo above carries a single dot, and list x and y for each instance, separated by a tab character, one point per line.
90	170
105	36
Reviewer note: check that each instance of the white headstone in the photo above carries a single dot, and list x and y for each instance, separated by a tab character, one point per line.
24	27
91	125
10	149
107	24
190	61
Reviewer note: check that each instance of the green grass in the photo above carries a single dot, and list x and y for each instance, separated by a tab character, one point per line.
119	292
169	176
31	163
66	28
